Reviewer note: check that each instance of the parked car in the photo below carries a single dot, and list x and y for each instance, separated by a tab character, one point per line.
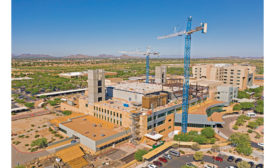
152	166
251	164
157	163
167	156
238	160
209	166
231	167
230	158
174	153
73	141
217	158
259	166
163	160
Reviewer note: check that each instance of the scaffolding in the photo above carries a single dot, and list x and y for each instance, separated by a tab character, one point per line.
135	117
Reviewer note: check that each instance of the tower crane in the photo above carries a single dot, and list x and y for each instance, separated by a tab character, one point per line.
187	50
147	53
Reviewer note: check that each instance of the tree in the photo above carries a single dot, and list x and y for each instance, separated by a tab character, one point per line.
20	166
247	106
252	125
195	146
208	132
139	154
260	121
41	142
29	105
259	109
242	142
237	107
200	139
67	112
243	164
243	94
198	156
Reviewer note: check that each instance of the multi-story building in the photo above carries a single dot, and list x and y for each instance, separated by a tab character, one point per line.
226	93
240	76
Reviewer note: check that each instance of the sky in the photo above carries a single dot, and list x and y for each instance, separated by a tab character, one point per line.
93	27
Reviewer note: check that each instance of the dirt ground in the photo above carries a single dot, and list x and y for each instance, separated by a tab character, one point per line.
244	129
25	130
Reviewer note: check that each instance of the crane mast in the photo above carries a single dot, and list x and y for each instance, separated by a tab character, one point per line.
147	54
187	51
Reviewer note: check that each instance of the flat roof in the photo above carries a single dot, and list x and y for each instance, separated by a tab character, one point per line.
154	137
117	104
61	92
93	127
156	151
138	87
70	153
58	120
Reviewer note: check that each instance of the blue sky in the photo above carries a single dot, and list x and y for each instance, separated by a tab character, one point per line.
93	27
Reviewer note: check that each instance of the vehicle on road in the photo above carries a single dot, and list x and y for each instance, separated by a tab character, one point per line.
157	163
231	167
261	144
230	158
167	156
174	153
259	166
73	141
251	114
238	160
251	164
217	158
163	160
152	166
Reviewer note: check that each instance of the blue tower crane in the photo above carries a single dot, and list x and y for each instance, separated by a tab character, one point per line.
147	54
187	50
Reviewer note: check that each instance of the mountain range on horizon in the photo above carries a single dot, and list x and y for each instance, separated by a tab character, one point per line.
106	56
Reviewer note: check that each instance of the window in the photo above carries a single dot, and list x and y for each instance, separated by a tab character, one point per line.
86	105
120	115
99	99
169	120
114	113
149	127
161	115
161	122
169	127
99	83
99	90
161	130
149	119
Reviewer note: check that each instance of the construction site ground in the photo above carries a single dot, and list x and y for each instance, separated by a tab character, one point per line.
25	130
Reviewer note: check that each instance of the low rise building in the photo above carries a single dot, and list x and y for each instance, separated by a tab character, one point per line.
226	93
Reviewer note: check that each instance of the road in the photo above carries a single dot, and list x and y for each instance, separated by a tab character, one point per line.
22	157
226	130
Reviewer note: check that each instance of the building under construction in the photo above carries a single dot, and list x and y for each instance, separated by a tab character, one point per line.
146	110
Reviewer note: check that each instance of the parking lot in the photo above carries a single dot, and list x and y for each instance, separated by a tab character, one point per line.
178	162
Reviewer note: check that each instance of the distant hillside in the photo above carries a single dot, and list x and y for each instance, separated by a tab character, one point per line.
32	56
77	56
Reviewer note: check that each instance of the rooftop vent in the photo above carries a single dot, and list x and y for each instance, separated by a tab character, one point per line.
94	125
84	119
94	135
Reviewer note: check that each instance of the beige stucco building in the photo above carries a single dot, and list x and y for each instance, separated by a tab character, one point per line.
240	76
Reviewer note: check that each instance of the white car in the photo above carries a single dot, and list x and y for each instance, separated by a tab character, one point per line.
152	166
261	144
